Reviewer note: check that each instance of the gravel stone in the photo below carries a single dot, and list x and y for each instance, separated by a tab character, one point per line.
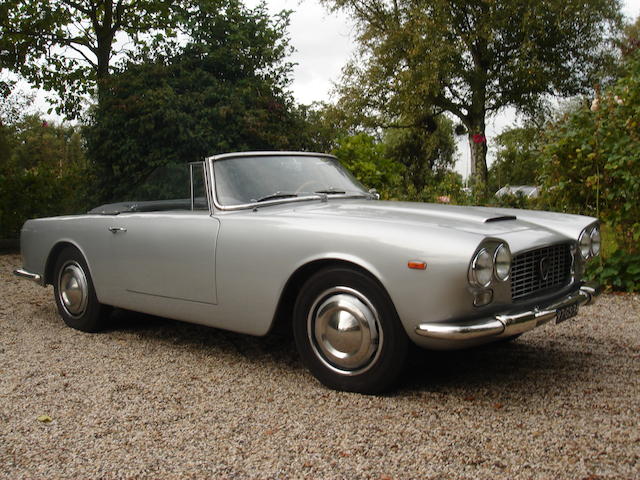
155	398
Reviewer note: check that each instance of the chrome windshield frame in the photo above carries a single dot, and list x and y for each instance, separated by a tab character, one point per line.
245	206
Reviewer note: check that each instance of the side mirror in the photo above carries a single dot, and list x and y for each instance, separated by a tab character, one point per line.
374	193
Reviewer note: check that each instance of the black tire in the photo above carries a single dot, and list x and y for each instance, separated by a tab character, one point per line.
373	356
75	294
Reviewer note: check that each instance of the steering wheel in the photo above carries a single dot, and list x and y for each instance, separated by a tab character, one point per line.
303	187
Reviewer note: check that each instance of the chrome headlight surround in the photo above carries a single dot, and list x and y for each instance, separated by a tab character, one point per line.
502	262
589	242
481	269
595	241
584	243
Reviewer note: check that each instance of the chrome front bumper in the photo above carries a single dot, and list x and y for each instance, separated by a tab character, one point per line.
512	324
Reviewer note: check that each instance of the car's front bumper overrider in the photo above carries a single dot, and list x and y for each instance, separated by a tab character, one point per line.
20	272
510	324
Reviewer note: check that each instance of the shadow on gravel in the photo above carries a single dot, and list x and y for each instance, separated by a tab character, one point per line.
517	368
279	346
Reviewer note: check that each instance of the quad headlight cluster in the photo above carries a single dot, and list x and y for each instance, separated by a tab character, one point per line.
589	242
490	264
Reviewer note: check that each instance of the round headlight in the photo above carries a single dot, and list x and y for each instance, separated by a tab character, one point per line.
502	262
482	269
584	243
595	241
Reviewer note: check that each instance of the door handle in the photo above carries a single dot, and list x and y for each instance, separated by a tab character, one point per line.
117	229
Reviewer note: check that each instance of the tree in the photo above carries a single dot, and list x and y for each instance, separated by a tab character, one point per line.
426	151
15	103
472	58
518	158
68	46
324	127
43	172
367	159
222	91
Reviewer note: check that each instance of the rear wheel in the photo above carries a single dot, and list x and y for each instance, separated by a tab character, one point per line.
348	333
75	295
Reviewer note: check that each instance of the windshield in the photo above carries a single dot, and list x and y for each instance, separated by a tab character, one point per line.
249	179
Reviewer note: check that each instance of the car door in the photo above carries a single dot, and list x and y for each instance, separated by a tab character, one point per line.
168	254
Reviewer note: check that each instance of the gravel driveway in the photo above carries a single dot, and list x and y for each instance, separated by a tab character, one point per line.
154	398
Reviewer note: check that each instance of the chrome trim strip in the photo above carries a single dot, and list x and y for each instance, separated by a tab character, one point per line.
208	180
19	272
511	324
266	153
191	186
168	297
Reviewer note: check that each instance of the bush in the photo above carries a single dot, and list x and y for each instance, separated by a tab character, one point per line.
591	166
367	160
591	161
619	270
43	172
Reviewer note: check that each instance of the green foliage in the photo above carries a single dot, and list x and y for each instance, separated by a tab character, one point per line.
444	186
517	200
591	167
620	271
471	58
591	160
408	163
43	172
224	93
517	160
425	152
323	126
631	39
367	159
14	103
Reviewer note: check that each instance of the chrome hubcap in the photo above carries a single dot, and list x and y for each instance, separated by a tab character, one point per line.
344	330
72	289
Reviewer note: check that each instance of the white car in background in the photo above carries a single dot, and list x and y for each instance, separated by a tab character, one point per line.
527	191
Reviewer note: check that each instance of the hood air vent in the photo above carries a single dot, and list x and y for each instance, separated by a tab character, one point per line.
500	219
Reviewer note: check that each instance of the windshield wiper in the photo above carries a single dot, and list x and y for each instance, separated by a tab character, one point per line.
331	190
276	195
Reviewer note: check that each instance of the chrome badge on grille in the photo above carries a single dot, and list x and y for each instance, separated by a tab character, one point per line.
544	268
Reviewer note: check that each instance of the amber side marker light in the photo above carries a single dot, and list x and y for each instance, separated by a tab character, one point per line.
415	265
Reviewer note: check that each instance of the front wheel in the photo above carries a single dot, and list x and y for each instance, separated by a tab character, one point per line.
348	332
75	295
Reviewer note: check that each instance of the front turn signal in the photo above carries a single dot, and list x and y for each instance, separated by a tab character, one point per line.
417	265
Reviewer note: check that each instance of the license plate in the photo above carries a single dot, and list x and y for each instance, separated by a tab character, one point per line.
565	313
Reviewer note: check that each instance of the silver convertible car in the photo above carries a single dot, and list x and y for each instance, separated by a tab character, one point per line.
270	237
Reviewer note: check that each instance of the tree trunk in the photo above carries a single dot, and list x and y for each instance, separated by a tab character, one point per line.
105	34
478	149
102	72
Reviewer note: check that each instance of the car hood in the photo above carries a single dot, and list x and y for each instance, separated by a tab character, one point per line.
477	220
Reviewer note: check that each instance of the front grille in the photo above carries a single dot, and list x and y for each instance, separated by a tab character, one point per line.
539	270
